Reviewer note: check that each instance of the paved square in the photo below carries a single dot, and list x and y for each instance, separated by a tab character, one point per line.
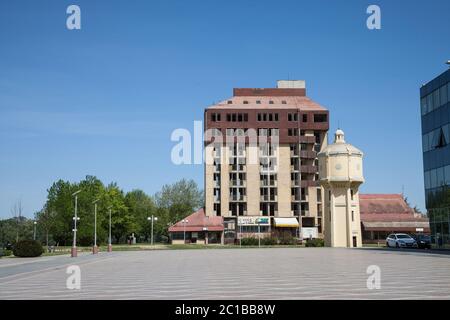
266	273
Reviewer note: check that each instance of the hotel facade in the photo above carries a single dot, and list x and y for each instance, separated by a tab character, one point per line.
261	170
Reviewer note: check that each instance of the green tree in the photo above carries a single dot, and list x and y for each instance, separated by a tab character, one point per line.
176	201
140	207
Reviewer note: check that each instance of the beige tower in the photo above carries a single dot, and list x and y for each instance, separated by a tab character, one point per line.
341	174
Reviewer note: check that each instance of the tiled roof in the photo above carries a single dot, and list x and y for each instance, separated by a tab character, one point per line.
198	221
279	102
386	208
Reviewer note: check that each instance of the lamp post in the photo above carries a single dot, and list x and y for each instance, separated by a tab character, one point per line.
152	218
109	238
95	248
259	233
184	221
75	219
34	232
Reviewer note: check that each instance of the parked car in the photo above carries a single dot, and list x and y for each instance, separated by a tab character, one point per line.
423	241
400	240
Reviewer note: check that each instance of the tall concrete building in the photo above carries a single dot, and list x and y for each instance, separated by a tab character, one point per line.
435	111
341	174
261	171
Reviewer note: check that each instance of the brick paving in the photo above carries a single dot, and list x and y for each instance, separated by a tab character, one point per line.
266	273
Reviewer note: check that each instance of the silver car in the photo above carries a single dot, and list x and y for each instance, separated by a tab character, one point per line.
401	240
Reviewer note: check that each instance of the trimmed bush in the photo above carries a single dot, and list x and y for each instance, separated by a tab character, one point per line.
7	253
249	241
269	241
28	248
314	243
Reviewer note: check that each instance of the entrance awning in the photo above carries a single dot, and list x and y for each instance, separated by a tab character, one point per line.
286	222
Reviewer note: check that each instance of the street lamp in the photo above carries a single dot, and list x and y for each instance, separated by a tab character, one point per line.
34	232
109	238
152	218
184	221
75	219
95	248
259	233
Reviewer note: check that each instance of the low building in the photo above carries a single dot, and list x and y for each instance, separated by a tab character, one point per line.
197	229
382	214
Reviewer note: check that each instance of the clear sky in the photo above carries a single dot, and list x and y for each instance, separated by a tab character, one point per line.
104	100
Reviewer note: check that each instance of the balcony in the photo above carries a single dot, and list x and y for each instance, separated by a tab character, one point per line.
216	184
236	197
307	139
216	168
268	169
305	213
295	183
234	167
265	183
307	154
295	168
267	198
309	169
297	198
238	183
294	153
308	183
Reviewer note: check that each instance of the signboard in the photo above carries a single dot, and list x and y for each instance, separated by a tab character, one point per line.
253	221
309	233
419	229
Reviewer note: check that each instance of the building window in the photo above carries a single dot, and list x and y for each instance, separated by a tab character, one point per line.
230	102
228	117
283	102
305	118
276	116
245	102
258	101
320	118
271	102
245	117
353	215
215	117
259	117
351	194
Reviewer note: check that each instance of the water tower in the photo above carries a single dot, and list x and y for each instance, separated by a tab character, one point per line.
341	174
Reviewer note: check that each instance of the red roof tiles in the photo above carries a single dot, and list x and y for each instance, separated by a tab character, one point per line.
390	209
198	221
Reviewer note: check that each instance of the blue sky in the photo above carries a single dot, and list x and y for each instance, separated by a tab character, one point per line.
104	100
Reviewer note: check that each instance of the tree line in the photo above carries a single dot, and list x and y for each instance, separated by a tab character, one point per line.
129	213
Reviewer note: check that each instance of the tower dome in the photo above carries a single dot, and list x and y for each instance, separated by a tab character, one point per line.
340	162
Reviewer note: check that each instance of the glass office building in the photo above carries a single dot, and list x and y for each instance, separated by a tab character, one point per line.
435	111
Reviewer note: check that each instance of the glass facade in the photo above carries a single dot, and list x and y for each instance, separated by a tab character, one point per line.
435	111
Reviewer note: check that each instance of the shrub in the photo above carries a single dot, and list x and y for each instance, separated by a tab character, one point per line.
314	243
28	248
286	238
269	241
7	253
249	241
